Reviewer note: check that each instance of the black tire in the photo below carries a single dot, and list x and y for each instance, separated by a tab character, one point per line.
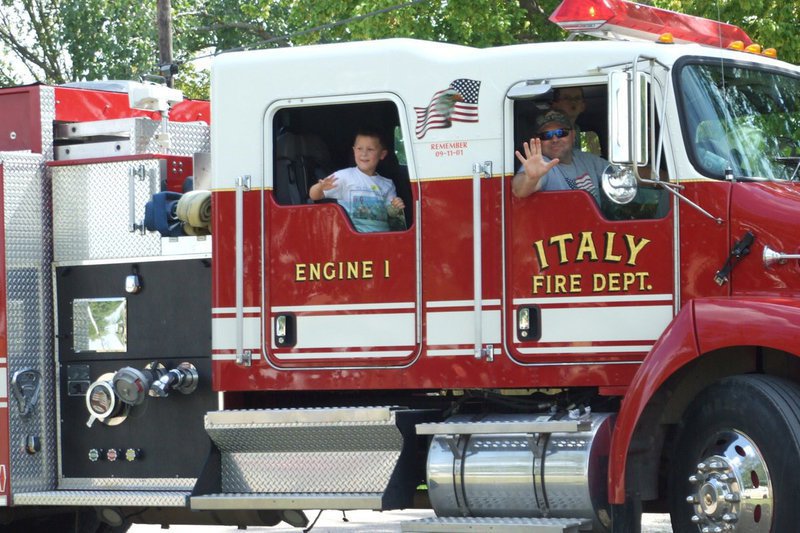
754	421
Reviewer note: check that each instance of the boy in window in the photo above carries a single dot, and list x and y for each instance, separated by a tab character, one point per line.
369	199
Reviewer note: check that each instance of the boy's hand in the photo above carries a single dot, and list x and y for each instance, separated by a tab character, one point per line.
328	183
395	210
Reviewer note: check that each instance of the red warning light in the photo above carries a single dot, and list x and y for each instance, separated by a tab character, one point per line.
620	18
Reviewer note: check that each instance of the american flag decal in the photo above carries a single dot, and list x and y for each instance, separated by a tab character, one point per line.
582	182
457	103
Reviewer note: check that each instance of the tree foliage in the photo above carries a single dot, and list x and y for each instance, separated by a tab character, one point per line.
56	41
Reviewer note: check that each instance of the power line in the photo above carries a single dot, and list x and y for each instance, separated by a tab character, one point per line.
323	27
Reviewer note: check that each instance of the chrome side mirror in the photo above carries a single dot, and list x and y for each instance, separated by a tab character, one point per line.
619	184
627	118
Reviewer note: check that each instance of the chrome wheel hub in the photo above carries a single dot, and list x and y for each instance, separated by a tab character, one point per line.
732	489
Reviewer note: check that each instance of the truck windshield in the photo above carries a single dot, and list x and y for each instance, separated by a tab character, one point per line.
743	121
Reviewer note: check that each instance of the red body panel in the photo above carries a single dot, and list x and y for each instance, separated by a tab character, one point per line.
82	105
768	211
314	234
21	127
673	350
700	327
704	243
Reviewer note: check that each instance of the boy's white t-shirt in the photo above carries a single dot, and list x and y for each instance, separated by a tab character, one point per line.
364	197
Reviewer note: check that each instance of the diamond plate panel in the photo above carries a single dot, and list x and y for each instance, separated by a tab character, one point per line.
28	239
123	483
47	101
118	498
92	207
186	138
133	136
363	471
506	525
345	437
306	450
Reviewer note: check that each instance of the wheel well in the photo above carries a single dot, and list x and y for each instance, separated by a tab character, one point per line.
649	451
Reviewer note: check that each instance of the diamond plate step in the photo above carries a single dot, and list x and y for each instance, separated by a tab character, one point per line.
503	525
254	501
122	498
534	424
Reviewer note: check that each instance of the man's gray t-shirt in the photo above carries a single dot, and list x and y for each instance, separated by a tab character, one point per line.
583	173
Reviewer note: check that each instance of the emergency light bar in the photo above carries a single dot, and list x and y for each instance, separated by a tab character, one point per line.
612	19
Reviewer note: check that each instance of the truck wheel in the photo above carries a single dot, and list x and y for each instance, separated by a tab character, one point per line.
737	457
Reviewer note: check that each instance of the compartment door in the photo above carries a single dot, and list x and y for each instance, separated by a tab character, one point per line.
583	287
336	297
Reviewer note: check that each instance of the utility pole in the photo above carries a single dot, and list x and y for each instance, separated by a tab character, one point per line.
165	40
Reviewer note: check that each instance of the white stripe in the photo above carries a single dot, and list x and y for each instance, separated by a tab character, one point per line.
4	501
342	355
232	356
586	349
348	331
458	327
3	405
3	383
342	307
596	324
595	299
3	360
455	352
460	303
232	310
223	333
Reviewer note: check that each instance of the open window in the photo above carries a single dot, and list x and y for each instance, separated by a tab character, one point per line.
591	127
353	298
311	142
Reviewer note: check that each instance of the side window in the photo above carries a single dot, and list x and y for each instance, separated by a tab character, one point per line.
312	142
586	107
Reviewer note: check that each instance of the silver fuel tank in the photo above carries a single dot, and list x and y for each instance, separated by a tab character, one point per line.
533	470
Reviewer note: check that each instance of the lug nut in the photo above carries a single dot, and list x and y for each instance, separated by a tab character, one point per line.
695	519
695	479
702	467
724	477
716	465
691	499
730	518
732	498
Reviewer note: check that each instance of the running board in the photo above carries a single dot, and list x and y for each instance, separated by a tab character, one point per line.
325	458
118	498
489	425
300	501
500	525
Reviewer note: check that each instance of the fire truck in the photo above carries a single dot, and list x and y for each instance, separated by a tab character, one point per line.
186	338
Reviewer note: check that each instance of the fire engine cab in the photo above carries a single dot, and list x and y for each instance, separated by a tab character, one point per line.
187	337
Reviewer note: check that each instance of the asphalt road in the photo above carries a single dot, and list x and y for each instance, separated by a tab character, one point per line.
361	521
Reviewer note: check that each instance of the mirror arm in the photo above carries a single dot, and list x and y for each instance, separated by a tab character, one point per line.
673	189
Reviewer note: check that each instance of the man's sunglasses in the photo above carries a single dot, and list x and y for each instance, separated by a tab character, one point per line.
552	134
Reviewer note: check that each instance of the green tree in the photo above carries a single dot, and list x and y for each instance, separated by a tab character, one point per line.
68	40
770	23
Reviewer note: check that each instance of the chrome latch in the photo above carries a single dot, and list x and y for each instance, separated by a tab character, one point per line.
245	358
484	168
486	352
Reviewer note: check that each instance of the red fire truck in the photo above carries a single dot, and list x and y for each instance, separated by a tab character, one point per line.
188	338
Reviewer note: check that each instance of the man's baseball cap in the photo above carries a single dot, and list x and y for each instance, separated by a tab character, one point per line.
553	116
